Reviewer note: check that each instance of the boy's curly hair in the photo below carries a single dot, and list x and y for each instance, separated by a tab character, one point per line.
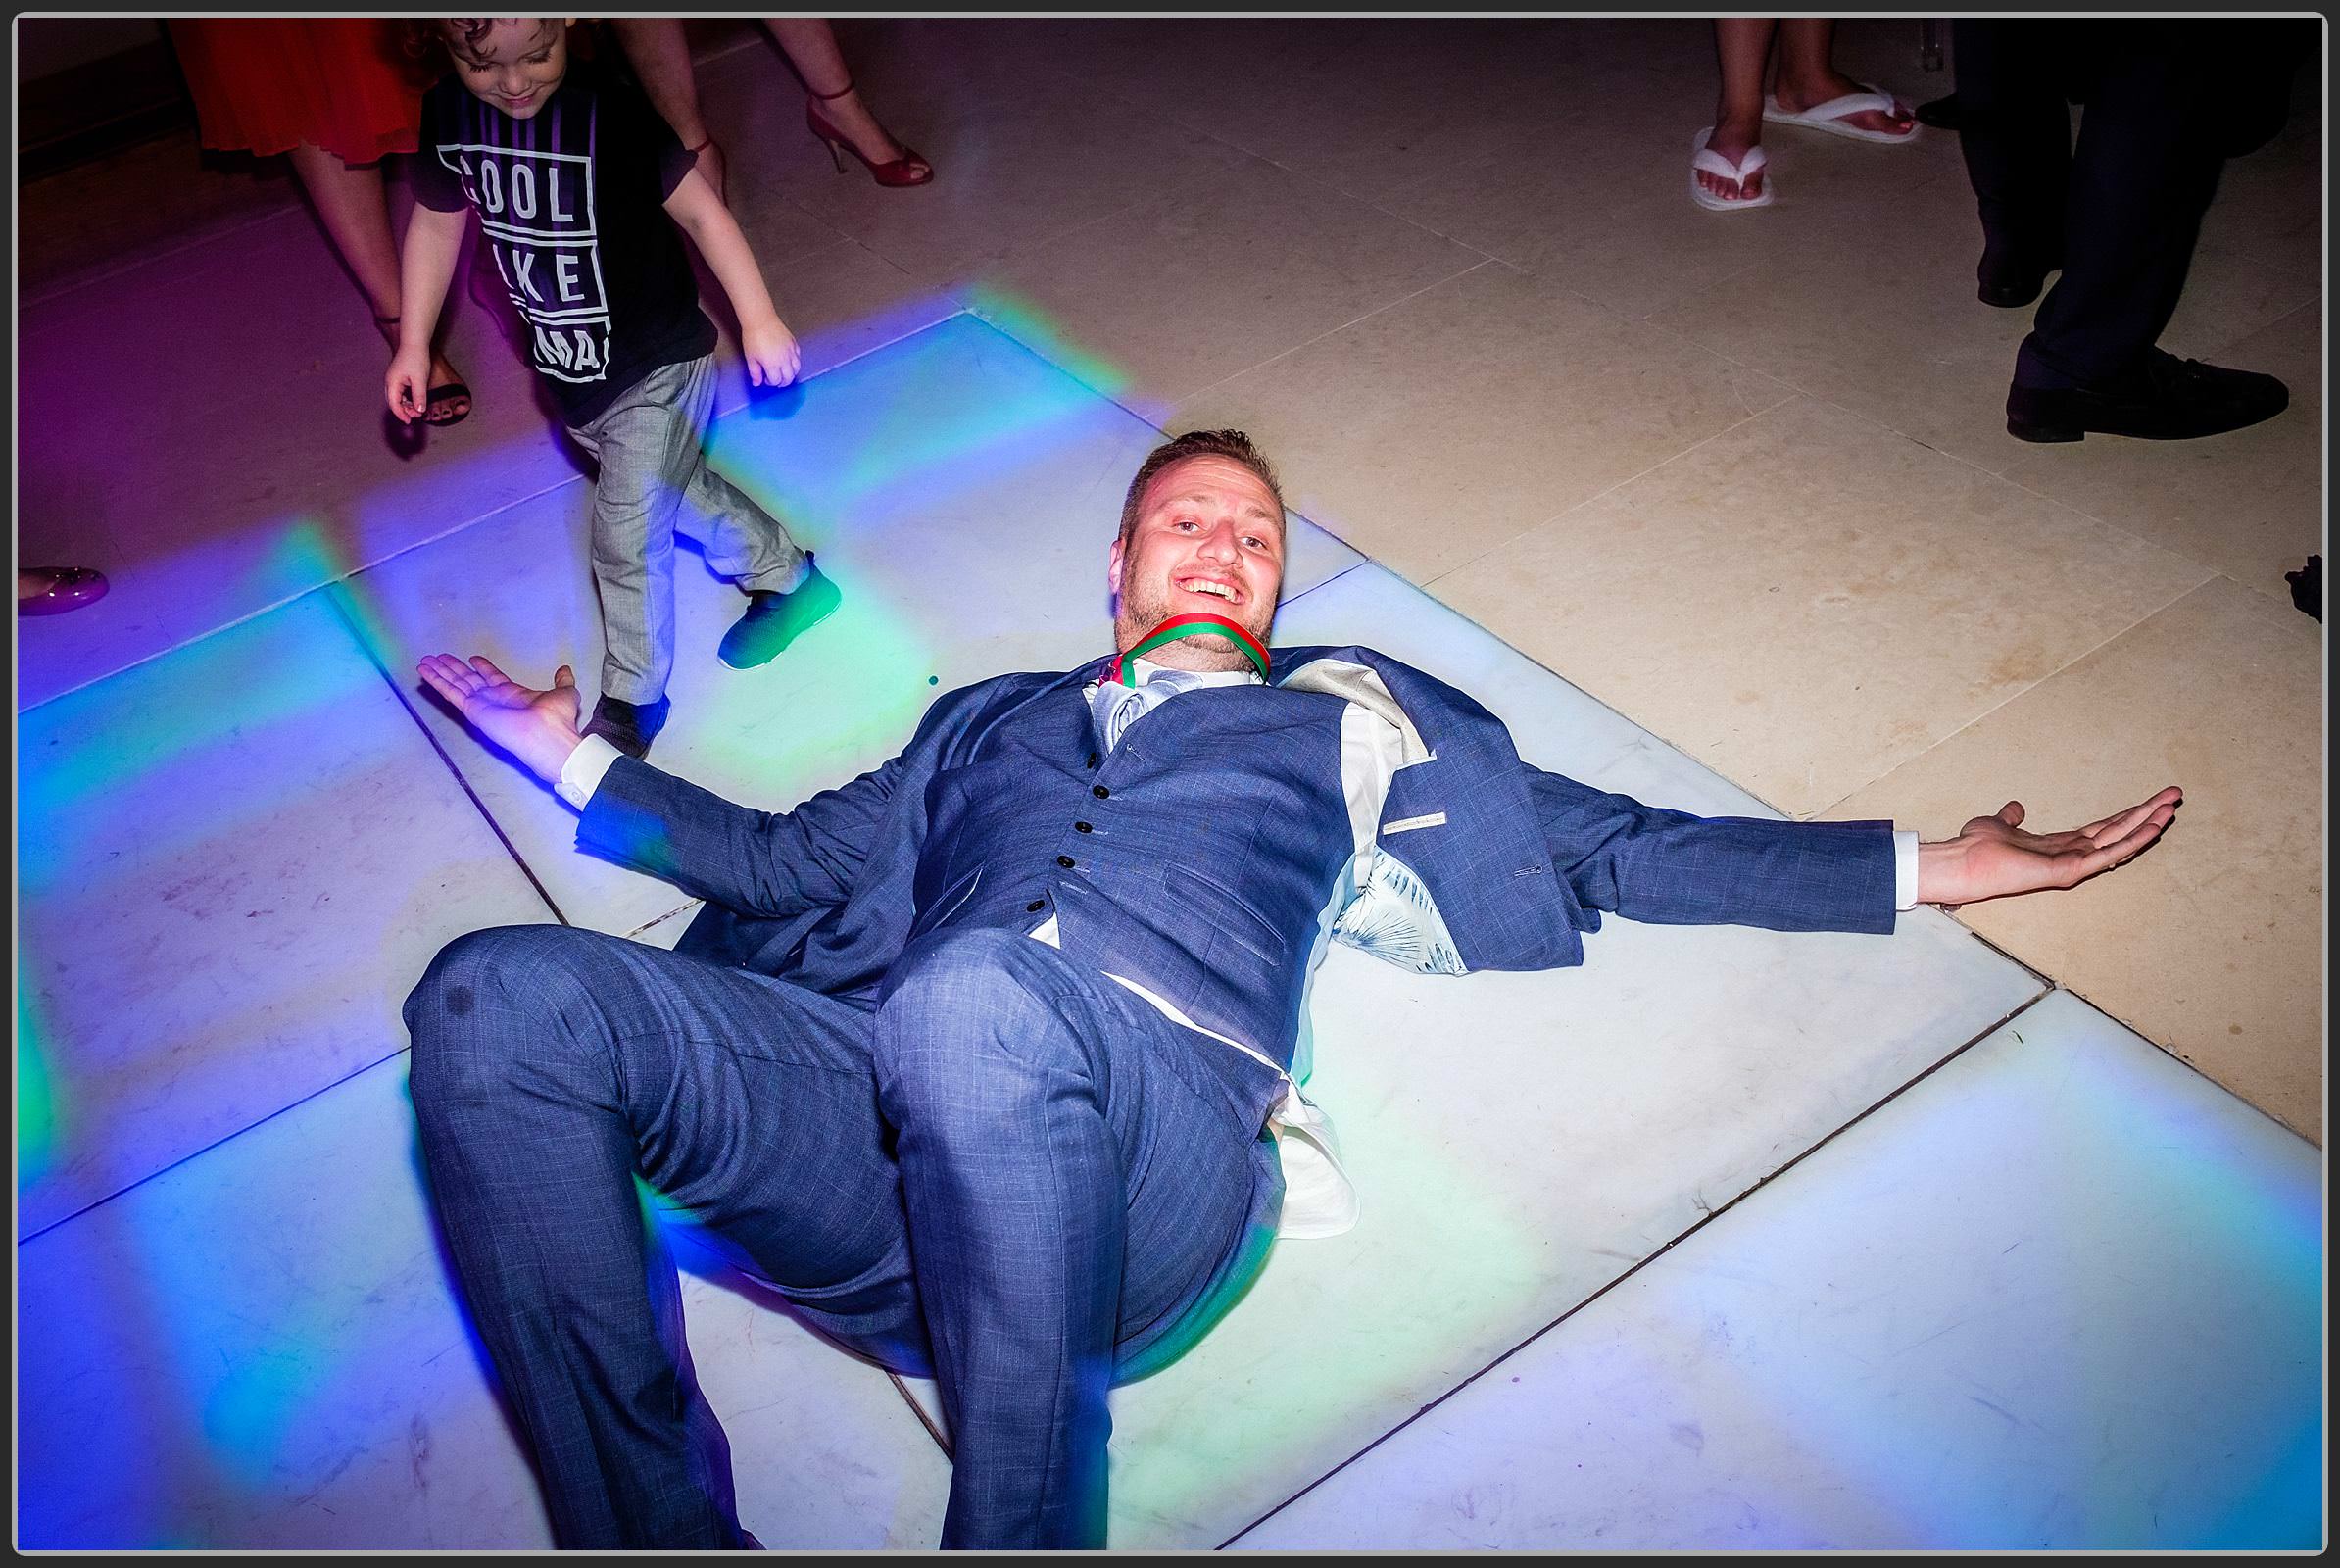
430	38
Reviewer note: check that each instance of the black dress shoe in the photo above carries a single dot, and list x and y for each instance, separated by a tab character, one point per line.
2307	587
628	726
2169	399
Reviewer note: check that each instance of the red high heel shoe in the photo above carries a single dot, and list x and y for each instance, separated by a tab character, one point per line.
907	169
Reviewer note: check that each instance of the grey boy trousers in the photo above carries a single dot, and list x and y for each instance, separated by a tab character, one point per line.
654	480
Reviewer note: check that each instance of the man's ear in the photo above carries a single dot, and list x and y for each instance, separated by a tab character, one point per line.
1113	570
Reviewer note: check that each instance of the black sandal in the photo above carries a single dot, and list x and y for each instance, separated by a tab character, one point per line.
445	392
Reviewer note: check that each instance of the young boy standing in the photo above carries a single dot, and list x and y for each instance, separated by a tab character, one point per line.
579	188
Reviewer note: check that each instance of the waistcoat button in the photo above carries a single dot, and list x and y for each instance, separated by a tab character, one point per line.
1100	791
1093	759
1083	827
1065	861
1036	905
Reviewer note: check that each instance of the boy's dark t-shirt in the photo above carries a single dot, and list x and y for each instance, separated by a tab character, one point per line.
570	208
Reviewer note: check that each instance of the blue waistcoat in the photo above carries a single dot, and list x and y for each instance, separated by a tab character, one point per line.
1201	857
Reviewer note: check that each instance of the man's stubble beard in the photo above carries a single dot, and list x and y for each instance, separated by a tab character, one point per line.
1134	617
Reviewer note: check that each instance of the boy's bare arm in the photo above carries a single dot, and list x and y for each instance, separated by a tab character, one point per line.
427	269
767	345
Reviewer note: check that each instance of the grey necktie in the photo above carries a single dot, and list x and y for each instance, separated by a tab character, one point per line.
1118	707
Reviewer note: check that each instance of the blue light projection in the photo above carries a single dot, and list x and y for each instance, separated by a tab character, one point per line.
2138	1182
217	1406
141	744
38	1111
925	418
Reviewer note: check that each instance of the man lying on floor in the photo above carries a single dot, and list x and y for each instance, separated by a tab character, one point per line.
983	1057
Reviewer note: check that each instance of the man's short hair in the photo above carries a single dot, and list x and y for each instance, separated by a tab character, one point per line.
1233	445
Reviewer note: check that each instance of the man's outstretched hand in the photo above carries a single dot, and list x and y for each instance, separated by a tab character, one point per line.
540	728
1992	857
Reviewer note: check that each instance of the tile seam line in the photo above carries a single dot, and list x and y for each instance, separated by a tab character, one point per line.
461	783
1483	260
1598	495
1278	358
2208	571
1353	565
447	533
1869	418
955	277
398	695
2100	644
1173	403
296	597
916	1409
2170	1051
2046	990
119	269
2058	501
197	1153
1601	702
958	310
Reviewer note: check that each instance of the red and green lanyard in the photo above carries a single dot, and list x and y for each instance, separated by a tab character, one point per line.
1124	669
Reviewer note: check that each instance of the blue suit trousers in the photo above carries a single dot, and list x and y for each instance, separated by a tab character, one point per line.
1011	1174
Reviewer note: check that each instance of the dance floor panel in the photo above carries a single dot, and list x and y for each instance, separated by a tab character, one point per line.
235	861
1519	1141
262	1346
262	1350
217	440
960	491
2063	1294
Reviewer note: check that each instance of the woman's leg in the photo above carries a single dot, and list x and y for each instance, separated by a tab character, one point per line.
810	44
1742	47
355	208
661	59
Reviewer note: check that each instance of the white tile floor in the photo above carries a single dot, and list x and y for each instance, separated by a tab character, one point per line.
2047	1299
2063	1292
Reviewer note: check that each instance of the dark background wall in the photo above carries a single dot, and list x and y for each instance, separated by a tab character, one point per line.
89	85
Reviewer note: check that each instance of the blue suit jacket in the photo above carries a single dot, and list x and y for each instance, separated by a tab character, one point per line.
1509	864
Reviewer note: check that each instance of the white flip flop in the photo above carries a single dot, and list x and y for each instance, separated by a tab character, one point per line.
1830	115
1723	169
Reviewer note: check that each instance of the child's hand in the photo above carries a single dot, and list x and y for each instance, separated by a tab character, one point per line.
771	350
407	384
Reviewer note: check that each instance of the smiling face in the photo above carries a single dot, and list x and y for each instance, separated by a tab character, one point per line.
1208	540
515	62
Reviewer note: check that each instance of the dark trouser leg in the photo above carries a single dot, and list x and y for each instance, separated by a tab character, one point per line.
2142	175
550	1064
2016	135
1077	1179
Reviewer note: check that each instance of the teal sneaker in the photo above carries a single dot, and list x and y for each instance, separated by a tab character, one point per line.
774	620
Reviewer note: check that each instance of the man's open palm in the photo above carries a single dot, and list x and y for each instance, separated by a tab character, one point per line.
1992	855
539	727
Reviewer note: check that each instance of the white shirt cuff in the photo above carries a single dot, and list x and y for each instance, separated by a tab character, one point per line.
1905	865
582	774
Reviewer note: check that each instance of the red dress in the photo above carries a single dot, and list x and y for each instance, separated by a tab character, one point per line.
266	84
